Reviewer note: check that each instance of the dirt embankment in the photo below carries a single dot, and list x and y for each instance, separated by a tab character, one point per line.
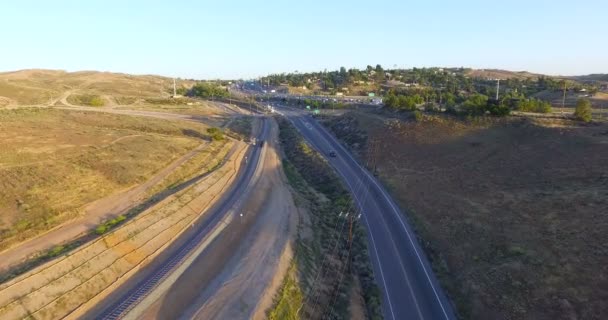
511	210
237	275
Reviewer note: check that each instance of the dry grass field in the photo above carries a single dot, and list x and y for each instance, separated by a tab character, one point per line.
73	283
35	87
512	211
53	162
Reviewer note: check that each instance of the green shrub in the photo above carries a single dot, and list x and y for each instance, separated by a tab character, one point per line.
57	250
108	225
87	100
583	110
96	101
216	134
499	110
101	229
208	90
534	105
475	104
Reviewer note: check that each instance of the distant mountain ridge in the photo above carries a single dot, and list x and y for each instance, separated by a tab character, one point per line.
592	77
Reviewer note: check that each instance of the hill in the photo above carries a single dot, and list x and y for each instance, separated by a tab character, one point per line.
500	74
603	77
510	209
38	87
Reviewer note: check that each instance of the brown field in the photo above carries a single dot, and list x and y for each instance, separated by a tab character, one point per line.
501	74
512	211
53	162
599	100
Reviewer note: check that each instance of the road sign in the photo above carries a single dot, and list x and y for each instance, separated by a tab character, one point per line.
307	107
371	94
317	111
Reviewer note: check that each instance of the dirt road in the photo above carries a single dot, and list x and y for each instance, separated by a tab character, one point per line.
237	276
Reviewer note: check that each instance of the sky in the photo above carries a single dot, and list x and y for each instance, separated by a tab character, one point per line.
244	39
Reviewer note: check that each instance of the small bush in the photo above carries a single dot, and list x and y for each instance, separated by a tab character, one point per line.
57	250
216	134
101	229
108	225
583	110
86	100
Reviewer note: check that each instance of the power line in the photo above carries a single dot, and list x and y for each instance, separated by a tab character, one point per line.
359	185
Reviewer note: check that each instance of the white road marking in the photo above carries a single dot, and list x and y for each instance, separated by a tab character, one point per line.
390	305
400	220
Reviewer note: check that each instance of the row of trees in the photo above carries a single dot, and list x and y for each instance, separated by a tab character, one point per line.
208	90
533	105
402	102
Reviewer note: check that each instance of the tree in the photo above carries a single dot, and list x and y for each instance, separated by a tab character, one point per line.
206	90
534	105
583	110
475	104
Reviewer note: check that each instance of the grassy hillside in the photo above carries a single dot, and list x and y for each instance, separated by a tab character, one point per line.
512	211
500	74
53	162
29	87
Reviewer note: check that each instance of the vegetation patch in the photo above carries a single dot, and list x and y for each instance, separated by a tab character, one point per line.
86	100
289	298
327	261
216	134
240	128
109	225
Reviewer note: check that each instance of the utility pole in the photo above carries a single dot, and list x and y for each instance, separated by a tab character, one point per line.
564	99
350	239
497	88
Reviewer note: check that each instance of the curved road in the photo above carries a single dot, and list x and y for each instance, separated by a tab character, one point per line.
179	252
409	287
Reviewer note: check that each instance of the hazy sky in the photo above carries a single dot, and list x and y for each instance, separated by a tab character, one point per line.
232	39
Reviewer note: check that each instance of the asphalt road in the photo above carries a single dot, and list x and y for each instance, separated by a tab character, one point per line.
409	287
178	253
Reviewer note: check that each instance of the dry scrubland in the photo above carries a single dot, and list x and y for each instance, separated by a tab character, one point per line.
182	105
53	162
33	87
72	284
512	211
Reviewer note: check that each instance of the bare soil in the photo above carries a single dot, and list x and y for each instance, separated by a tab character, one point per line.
238	275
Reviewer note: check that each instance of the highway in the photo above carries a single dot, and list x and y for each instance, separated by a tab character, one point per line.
409	287
119	306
